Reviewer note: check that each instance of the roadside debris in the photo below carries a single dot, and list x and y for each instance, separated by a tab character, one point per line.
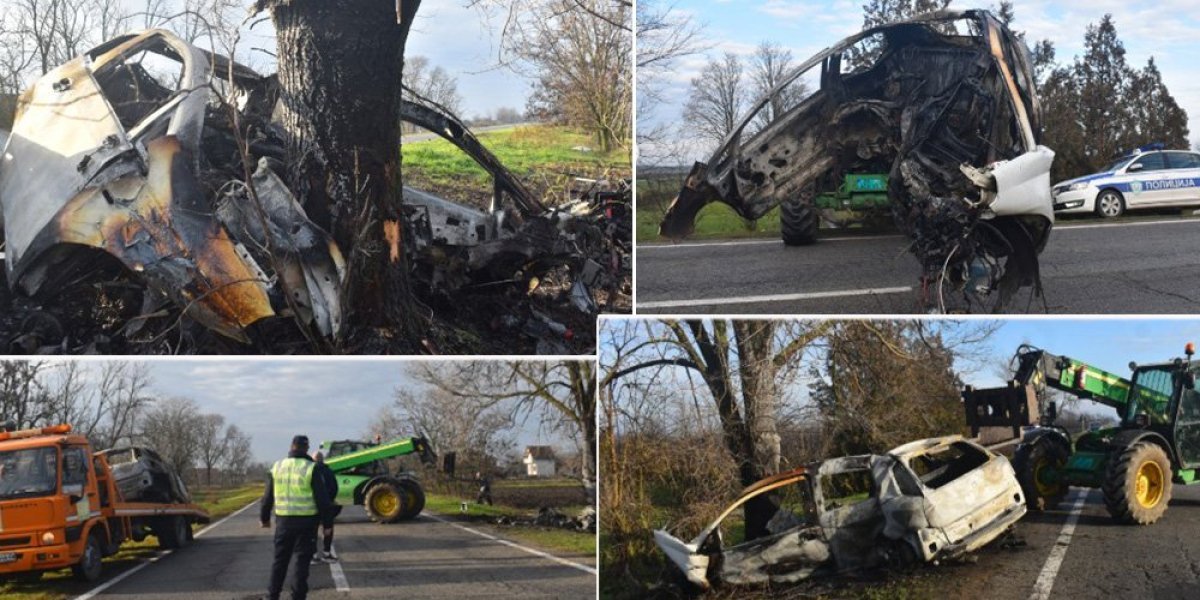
149	176
953	119
926	501
585	521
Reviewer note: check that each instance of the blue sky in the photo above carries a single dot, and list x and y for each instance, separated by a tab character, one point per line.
273	400
1169	30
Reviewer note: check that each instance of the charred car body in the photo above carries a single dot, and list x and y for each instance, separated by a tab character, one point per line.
142	475
132	151
928	500
954	120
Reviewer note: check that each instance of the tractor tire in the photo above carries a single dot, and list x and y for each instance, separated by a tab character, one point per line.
414	499
172	532
1137	486
385	502
798	223
1032	464
1110	204
90	565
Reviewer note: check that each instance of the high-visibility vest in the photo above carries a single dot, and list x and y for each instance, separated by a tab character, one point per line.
293	488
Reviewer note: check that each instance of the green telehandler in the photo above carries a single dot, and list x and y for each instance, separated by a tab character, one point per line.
1155	445
864	196
363	476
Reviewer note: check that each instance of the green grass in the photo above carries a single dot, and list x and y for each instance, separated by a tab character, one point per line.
543	156
60	584
560	540
716	220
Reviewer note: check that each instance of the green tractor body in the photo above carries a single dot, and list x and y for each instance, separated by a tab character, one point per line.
857	193
364	478
861	198
1155	445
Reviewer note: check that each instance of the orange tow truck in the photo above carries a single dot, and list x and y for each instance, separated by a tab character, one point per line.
60	507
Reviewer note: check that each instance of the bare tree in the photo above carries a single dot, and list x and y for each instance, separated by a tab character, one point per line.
769	65
171	428
431	83
664	36
340	70
213	439
115	402
716	98
478	431
23	398
565	391
239	457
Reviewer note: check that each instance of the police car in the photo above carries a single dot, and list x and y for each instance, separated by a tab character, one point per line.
1148	177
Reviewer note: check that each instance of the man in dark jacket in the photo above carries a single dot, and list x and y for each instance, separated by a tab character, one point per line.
300	501
329	480
485	488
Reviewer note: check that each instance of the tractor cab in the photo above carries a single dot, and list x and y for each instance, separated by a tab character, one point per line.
343	447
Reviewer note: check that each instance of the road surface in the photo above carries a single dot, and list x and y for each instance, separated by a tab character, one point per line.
1097	558
427	558
1150	265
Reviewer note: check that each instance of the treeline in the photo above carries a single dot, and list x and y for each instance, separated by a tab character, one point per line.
694	411
113	405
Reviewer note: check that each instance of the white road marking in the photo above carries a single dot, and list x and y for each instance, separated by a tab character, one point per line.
92	593
335	571
1045	580
849	238
771	298
561	561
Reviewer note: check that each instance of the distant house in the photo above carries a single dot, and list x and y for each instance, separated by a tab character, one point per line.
539	461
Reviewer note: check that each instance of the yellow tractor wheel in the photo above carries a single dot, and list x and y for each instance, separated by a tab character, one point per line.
385	502
1137	486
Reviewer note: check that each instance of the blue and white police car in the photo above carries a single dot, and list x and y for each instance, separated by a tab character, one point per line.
1149	177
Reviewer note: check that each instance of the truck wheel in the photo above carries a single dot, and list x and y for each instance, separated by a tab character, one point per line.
414	499
172	532
1137	486
1110	204
797	223
384	502
1038	468
89	566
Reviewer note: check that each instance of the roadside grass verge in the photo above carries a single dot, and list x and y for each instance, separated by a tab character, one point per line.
549	538
545	157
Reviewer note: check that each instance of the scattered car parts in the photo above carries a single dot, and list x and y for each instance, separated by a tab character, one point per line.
948	109
929	500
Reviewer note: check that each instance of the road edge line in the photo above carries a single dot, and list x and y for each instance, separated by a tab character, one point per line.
335	571
694	302
1045	580
92	593
546	555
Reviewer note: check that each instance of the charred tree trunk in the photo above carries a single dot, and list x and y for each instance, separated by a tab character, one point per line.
340	66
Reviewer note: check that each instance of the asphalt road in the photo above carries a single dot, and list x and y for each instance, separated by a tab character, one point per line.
1097	558
427	558
1148	265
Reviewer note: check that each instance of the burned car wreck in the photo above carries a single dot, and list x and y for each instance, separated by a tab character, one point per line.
929	500
161	161
142	475
949	110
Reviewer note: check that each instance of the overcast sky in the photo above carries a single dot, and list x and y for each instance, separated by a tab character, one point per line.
1169	30
325	399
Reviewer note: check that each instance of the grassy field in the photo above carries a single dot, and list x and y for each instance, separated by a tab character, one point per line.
560	540
60	584
545	157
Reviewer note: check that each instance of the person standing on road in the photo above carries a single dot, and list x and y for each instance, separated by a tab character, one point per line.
485	488
329	480
300	502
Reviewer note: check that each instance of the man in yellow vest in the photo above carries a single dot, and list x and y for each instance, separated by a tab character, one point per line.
300	502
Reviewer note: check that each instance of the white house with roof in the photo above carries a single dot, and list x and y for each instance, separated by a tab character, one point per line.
539	461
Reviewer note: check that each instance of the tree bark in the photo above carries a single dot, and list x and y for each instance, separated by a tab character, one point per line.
340	67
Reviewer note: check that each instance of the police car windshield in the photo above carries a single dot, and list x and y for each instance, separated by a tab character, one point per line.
1117	164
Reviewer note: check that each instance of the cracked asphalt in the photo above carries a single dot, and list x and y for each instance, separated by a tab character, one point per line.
1143	265
425	558
1103	559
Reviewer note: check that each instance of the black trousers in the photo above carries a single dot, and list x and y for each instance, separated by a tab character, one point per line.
294	536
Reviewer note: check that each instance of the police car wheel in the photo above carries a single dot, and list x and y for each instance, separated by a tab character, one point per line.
1109	204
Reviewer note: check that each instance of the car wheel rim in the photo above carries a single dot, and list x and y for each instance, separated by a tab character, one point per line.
1109	206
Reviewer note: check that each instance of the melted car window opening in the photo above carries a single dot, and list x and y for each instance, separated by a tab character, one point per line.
140	82
846	488
940	467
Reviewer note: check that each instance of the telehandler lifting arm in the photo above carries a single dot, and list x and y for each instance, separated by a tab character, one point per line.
386	450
